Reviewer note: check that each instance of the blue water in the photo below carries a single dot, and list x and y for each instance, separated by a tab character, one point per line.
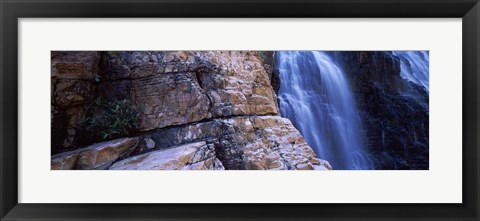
315	95
414	67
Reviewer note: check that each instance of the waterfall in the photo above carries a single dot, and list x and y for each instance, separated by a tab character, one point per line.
315	95
414	66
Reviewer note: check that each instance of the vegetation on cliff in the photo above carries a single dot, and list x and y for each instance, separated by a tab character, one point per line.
215	110
223	101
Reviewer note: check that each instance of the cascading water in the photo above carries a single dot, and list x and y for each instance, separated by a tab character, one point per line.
315	96
414	66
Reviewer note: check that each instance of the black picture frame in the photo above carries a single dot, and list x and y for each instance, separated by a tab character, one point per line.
11	11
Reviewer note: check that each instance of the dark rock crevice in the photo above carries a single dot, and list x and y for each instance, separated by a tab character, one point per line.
198	78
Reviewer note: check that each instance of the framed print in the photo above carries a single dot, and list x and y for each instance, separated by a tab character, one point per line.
319	110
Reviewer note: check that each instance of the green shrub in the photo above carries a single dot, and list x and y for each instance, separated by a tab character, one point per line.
105	120
263	55
113	53
266	57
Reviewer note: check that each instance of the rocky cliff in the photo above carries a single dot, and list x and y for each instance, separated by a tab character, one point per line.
199	110
395	111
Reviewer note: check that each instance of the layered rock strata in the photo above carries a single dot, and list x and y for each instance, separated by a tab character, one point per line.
97	156
257	142
192	156
72	88
217	103
184	87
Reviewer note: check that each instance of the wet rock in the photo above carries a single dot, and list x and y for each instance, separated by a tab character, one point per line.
396	111
275	80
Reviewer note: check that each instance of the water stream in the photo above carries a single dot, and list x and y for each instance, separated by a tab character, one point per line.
315	95
414	67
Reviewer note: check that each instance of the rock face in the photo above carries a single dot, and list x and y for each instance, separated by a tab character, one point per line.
97	156
239	85
64	161
193	156
74	64
72	87
168	99
184	87
217	103
265	143
396	110
243	143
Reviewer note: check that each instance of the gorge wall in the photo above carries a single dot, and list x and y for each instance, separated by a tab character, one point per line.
394	109
199	110
220	110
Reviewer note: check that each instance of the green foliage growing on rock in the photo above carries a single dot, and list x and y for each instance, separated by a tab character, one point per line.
264	56
267	57
105	120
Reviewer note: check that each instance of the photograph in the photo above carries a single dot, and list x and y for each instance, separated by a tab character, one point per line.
240	110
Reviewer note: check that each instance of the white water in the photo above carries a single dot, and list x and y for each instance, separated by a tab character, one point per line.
414	66
315	95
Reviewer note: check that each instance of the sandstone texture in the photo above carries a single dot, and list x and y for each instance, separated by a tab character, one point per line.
239	143
97	156
183	87
243	143
72	87
200	110
193	156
